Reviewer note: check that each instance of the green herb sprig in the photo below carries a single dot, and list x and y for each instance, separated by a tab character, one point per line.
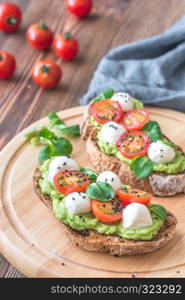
54	144
56	122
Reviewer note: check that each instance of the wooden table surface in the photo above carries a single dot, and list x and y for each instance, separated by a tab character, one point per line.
112	23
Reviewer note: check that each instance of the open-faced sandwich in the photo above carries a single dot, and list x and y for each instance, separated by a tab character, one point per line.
120	137
99	213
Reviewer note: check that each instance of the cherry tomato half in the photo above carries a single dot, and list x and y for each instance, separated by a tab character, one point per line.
79	8
46	73
66	46
129	195
109	211
135	119
133	143
106	110
7	65
71	181
39	36
10	17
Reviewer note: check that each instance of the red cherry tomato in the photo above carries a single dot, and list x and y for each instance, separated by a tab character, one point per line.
106	110
46	73
71	181
109	211
10	17
129	195
79	8
133	143
66	46
39	36
7	65
135	119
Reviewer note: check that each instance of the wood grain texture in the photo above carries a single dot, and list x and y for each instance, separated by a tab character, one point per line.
113	22
38	245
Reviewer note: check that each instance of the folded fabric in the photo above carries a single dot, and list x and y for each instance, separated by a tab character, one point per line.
152	70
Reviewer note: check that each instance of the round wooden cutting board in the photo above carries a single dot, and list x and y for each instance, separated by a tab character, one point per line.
34	241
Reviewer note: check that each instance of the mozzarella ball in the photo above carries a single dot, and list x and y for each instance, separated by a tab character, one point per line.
159	152
136	215
77	203
111	178
60	164
125	100
110	132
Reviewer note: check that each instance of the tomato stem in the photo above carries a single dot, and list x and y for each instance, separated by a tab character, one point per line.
43	25
67	35
45	69
11	20
1	57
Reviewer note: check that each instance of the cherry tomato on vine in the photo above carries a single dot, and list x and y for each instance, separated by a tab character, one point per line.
10	17
66	46
79	8
39	36
7	65
46	73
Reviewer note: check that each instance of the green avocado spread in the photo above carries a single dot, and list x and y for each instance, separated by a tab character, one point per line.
89	221
47	187
174	167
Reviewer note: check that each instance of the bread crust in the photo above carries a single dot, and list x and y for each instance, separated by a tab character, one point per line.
91	240
158	183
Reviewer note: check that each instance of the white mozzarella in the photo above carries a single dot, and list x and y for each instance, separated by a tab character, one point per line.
60	164
159	152
110	132
125	100
77	203
136	215
111	178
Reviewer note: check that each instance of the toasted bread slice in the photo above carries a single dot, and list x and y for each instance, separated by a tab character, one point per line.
158	183
93	241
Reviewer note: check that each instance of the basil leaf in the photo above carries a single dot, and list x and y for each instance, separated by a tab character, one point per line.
141	166
101	191
160	211
107	94
91	174
153	130
44	153
62	147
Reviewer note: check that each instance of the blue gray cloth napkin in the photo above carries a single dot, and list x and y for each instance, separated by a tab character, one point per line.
152	70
